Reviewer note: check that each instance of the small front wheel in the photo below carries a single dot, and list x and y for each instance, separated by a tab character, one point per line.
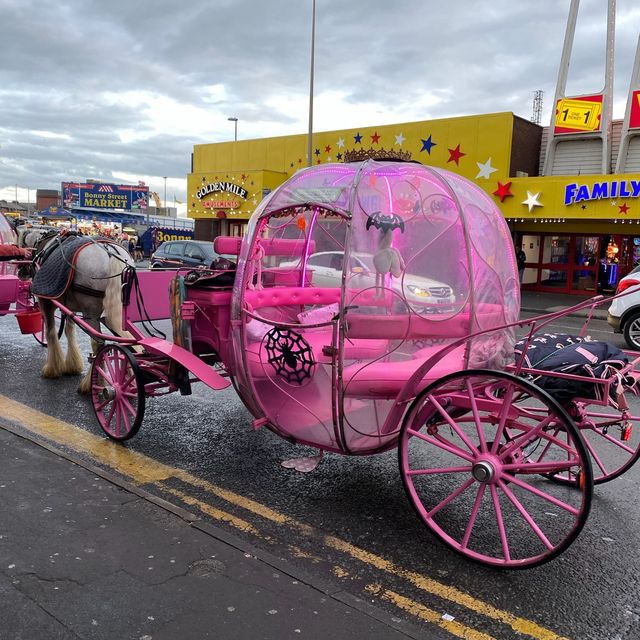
474	464
117	393
632	331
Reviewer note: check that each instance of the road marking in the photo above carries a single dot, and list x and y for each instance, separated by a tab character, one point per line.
429	615
142	470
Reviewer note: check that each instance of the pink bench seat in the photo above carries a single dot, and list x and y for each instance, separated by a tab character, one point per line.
386	379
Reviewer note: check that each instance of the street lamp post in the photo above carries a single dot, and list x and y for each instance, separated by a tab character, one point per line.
235	127
313	47
165	194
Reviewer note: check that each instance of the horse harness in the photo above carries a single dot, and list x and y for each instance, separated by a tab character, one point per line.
62	249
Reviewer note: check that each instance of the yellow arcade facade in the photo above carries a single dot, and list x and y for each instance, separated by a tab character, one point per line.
580	233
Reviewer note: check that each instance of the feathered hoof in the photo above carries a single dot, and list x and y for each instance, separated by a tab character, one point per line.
84	388
51	373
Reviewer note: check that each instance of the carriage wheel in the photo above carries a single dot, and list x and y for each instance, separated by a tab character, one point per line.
117	393
41	336
468	460
613	442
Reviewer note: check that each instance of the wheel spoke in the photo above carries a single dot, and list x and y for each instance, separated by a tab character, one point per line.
542	494
614	441
450	497
426	472
503	415
473	516
476	417
442	444
540	468
525	514
452	424
595	457
500	522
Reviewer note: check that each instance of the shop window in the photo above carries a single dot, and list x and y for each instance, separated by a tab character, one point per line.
531	248
587	249
553	278
555	250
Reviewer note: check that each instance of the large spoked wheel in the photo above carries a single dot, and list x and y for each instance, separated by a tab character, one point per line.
474	464
117	393
612	439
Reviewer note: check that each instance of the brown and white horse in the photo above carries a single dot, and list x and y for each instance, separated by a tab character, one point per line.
94	291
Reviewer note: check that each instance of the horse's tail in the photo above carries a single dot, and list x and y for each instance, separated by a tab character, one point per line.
113	295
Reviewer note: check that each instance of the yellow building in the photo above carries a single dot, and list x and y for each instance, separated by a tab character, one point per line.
230	178
569	226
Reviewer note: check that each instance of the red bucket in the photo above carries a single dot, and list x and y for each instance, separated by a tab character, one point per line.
30	321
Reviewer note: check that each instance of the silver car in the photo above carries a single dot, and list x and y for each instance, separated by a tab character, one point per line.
420	292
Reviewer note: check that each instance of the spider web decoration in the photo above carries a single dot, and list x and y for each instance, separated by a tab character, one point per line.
290	355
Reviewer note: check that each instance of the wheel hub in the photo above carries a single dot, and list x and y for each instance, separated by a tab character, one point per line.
483	471
108	394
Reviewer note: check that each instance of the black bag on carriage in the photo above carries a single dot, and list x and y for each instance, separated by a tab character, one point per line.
564	353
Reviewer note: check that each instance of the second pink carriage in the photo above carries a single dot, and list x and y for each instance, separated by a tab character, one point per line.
374	306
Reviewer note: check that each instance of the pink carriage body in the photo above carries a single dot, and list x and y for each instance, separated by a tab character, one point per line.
375	305
351	281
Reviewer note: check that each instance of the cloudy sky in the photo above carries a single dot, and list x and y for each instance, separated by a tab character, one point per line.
122	90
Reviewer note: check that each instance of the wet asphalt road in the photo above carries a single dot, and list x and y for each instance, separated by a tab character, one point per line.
588	593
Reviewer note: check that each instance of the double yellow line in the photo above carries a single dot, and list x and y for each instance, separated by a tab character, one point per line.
142	470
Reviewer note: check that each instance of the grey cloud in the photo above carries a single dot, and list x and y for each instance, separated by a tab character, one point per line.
61	59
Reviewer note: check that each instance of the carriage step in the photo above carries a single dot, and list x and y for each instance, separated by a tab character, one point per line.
188	360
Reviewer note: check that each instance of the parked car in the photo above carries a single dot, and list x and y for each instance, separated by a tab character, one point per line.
419	292
624	312
175	254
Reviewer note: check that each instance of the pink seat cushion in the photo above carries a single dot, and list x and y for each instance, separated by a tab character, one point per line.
386	379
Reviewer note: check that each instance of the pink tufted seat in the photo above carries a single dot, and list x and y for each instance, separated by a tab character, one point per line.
386	379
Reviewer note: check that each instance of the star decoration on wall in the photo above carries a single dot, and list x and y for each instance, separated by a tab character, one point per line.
455	155
503	191
339	156
400	139
358	138
327	149
375	138
532	200
317	152
340	142
485	169
624	207
427	144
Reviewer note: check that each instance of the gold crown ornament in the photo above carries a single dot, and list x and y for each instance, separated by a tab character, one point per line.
358	155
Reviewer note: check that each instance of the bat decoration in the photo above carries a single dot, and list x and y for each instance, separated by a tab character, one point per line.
385	221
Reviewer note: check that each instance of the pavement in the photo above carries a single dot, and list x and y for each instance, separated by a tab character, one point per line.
544	303
84	554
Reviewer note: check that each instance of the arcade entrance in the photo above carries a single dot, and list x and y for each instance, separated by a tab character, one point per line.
577	263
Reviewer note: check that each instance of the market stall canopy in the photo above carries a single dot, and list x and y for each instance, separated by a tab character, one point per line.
56	212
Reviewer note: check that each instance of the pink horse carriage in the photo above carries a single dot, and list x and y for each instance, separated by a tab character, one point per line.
15	291
375	305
